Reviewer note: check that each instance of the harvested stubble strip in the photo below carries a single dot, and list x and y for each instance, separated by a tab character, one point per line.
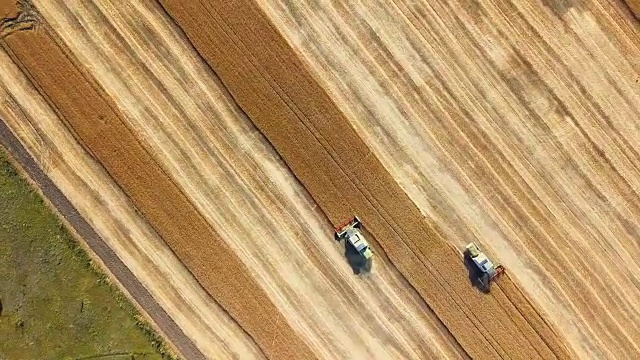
547	333
92	118
296	114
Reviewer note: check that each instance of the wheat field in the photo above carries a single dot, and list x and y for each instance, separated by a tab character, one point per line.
214	145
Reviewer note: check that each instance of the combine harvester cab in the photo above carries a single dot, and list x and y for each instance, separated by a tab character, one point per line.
486	271
350	231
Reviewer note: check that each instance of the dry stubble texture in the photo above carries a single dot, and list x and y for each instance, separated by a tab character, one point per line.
196	139
100	129
84	183
634	5
509	122
342	175
100	251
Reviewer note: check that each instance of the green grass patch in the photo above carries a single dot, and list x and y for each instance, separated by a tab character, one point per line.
55	303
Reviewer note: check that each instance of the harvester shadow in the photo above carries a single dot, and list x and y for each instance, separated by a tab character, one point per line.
474	273
355	260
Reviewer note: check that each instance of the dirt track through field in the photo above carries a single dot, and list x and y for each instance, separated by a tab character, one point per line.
94	194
